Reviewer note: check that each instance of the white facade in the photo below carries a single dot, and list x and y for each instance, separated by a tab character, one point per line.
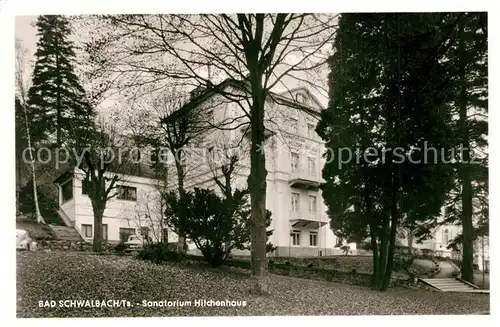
293	160
439	241
138	211
443	236
294	163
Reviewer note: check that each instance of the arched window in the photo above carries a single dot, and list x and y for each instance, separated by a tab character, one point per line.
445	236
301	98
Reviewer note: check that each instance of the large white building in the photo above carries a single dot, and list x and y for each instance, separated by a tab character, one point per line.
293	160
294	163
443	236
135	208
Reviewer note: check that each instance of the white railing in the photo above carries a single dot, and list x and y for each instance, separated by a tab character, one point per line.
67	221
305	215
304	174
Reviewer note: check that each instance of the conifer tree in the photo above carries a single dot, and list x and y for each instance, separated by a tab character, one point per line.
468	201
390	94
57	102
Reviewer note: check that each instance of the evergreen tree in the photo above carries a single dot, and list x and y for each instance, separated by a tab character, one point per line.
468	201
389	99
57	102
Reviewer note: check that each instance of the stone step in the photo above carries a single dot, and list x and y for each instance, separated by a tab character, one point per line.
446	283
450	285
65	233
454	287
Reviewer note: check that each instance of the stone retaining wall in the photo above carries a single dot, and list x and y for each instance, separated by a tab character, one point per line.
65	245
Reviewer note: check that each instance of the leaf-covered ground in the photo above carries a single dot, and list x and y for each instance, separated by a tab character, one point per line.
63	276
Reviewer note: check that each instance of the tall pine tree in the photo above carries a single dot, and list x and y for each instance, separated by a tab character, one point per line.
468	201
389	98
58	105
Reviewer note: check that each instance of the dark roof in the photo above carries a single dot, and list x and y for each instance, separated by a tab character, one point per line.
137	170
203	93
64	176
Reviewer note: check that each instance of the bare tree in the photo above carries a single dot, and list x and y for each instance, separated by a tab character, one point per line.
22	101
255	52
153	123
103	165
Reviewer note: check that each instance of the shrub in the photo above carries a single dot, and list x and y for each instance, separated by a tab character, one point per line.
366	246
346	249
215	224
159	252
120	248
427	252
402	262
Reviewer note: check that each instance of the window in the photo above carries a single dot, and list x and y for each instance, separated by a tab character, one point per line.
445	236
310	131
67	190
295	162
295	237
339	242
127	193
295	202
312	203
301	98
125	233
294	126
87	230
313	238
311	164
105	232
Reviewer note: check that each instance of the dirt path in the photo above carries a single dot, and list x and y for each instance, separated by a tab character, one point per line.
446	270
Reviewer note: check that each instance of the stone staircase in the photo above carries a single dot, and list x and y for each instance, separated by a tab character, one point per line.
452	285
65	233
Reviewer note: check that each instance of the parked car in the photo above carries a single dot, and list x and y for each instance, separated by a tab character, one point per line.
24	241
134	242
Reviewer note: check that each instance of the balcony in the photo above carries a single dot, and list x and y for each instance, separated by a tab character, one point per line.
247	132
304	179
306	220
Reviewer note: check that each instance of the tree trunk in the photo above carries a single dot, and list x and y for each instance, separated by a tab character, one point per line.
97	242
467	227
375	258
257	188
390	254
382	264
39	218
410	241
58	93
394	226
18	181
181	242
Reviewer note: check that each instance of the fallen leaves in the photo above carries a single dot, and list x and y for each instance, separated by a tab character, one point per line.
72	275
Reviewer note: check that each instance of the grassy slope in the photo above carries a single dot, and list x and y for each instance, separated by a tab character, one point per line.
67	275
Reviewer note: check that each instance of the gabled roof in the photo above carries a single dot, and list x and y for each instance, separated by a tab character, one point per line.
304	90
211	90
64	176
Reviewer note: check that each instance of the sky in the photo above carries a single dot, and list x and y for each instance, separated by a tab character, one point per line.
26	32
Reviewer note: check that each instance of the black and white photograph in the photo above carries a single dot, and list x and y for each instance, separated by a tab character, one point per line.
173	164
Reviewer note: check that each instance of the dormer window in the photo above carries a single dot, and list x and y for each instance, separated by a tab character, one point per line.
301	98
